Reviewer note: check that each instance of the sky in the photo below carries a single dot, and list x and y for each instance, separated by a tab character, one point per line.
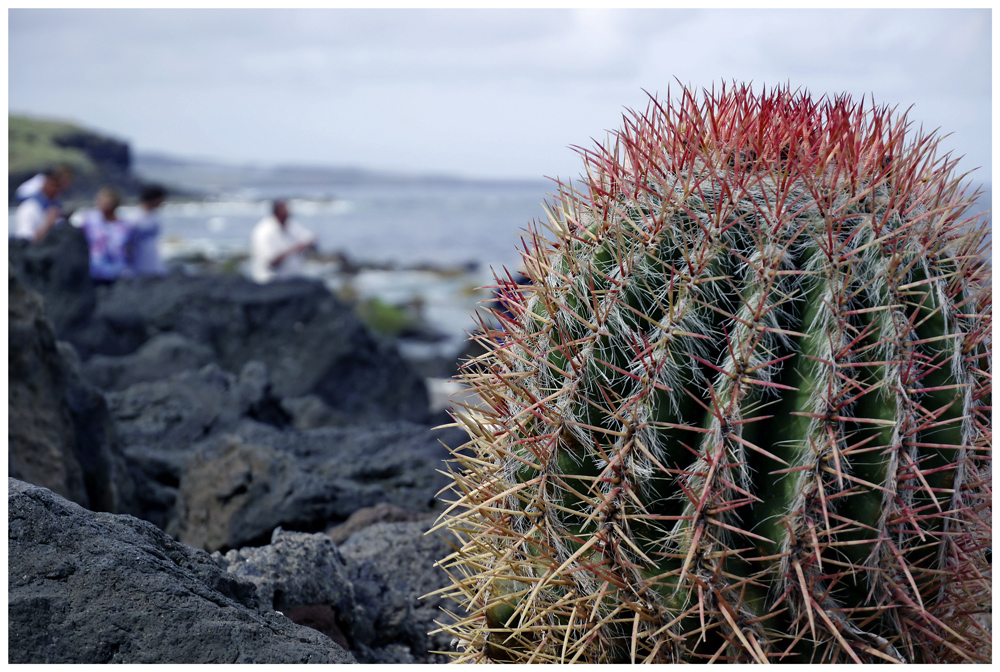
472	93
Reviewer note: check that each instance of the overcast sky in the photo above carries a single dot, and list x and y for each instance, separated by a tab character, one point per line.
481	93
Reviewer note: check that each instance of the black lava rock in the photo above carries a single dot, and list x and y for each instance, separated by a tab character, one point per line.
59	431
88	587
240	485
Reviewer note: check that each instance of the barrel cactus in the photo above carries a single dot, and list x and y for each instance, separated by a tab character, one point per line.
741	411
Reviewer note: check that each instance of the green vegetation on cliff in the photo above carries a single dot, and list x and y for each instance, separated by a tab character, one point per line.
33	145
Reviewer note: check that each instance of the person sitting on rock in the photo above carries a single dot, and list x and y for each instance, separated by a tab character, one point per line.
144	258
36	216
277	244
109	238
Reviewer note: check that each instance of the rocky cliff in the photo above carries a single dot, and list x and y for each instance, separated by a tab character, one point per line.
98	160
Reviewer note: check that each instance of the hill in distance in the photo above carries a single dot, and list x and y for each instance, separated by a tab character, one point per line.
211	177
97	159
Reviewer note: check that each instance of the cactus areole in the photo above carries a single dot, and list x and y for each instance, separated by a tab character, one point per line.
741	411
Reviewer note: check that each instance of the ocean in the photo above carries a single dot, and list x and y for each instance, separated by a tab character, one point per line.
411	224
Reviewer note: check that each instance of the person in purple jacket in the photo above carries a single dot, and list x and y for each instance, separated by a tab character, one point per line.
109	238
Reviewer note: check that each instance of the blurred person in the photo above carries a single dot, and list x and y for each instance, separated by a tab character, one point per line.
277	244
144	257
63	173
38	213
108	237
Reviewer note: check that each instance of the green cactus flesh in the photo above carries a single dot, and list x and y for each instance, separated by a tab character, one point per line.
741	411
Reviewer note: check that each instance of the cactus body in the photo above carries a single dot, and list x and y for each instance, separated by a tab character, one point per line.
741	413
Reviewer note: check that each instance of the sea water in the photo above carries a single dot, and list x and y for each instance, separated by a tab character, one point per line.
406	225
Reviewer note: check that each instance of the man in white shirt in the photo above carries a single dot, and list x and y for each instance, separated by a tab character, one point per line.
36	216
29	188
277	244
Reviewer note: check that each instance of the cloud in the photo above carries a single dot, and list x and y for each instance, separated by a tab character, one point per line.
491	92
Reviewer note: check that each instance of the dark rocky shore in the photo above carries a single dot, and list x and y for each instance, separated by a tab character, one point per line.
208	470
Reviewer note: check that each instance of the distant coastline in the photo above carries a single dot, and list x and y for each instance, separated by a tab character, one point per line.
203	178
97	159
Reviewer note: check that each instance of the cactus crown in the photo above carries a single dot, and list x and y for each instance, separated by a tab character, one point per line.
741	411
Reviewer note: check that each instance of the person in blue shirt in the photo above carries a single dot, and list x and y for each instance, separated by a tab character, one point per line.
144	257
